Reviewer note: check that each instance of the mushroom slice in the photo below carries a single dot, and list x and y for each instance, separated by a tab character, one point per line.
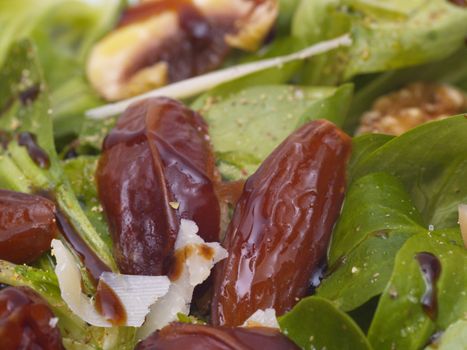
163	41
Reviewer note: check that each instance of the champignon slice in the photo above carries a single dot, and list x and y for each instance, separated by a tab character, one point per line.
413	105
162	41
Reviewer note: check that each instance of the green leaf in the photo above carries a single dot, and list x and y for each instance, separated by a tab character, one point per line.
46	284
246	126
64	36
315	323
286	12
81	174
23	72
375	205
433	31
315	21
93	133
377	218
364	272
400	321
64	32
454	338
386	35
431	162
364	145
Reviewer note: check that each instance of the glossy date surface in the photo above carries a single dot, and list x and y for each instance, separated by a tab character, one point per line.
27	226
282	224
157	167
26	321
200	337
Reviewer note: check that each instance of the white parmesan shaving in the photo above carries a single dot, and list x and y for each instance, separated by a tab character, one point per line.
53	322
195	269
463	222
136	293
262	318
194	86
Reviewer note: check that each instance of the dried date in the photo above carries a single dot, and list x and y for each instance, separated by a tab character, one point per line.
201	337
26	321
282	224
157	167
27	226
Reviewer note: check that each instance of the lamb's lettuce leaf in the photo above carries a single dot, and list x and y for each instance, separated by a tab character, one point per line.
377	218
24	106
454	338
431	162
63	32
387	35
246	126
315	323
400	321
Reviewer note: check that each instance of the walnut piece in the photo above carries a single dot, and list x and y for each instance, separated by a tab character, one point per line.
158	42
415	104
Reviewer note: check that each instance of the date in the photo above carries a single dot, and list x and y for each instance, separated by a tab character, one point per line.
27	226
26	321
282	224
201	337
157	167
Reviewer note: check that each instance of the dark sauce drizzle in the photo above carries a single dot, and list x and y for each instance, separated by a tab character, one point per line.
29	95
109	305
93	264
318	275
461	3
37	154
5	139
430	267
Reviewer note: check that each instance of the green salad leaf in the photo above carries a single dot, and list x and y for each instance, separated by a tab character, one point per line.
24	106
377	218
454	338
63	32
387	34
315	21
431	162
246	126
315	323
24	111
400	321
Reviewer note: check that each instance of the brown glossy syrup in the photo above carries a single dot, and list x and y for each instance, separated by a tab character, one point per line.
146	10
181	255
37	154
230	192
109	305
91	261
430	267
29	95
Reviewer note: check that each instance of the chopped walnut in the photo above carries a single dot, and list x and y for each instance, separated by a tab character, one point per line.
415	104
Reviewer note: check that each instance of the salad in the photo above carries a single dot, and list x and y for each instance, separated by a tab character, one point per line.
233	174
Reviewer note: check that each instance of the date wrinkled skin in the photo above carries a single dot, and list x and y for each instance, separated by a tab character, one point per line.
200	337
282	224
26	321
27	226
157	167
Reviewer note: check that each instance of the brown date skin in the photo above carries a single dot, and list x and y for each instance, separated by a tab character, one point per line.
25	321
27	226
282	224
200	337
157	167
